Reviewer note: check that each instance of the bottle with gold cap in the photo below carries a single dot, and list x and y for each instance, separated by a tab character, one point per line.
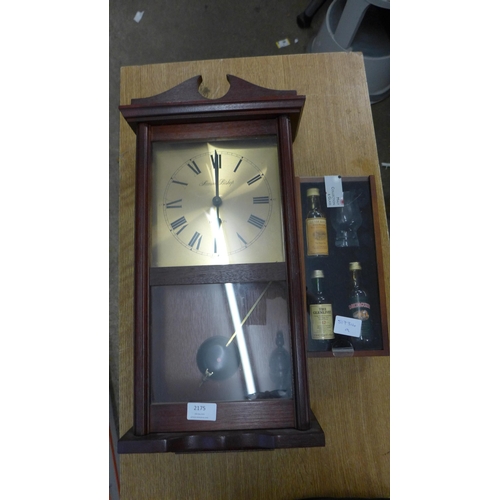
316	232
320	315
359	304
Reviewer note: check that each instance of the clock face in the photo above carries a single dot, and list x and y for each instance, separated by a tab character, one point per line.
216	202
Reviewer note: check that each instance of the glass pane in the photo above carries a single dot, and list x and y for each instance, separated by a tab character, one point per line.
195	355
216	202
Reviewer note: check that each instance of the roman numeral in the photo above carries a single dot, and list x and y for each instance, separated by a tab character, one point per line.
179	182
181	222
194	168
174	204
241	238
196	237
256	221
236	168
254	179
260	200
217	161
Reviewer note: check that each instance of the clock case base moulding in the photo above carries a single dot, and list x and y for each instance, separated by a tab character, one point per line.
244	107
183	442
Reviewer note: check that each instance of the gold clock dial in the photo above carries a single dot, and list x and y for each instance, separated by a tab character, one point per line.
216	202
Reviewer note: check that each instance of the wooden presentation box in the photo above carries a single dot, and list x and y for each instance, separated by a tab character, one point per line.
338	281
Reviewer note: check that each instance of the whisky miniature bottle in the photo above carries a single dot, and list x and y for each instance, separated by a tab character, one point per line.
316	232
320	315
359	305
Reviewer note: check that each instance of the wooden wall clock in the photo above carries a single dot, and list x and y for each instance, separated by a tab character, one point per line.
219	345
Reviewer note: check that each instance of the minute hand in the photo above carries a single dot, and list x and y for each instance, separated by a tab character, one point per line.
216	165
216	201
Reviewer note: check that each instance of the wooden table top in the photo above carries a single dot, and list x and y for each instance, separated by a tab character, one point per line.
349	396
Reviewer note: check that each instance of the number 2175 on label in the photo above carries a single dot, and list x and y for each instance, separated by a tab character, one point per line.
202	411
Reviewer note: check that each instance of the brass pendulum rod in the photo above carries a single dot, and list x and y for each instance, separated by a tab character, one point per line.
249	312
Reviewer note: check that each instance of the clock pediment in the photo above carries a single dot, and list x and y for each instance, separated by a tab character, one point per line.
185	104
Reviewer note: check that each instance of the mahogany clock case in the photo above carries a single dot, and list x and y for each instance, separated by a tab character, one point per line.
177	307
338	281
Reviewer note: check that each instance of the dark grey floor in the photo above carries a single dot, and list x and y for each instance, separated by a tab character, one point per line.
187	30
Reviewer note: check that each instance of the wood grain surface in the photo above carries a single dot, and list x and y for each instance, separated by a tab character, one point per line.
349	396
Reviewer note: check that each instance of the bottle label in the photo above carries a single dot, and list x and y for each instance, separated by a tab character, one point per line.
360	310
321	321
316	236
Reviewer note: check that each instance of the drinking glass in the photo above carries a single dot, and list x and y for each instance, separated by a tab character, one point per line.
346	221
